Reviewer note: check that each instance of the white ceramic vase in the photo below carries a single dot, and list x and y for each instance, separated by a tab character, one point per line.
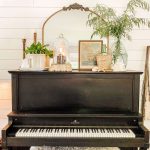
37	61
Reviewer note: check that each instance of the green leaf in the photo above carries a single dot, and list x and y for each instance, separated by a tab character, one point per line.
104	22
38	49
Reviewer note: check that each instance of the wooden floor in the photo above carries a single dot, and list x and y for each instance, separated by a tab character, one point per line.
5	101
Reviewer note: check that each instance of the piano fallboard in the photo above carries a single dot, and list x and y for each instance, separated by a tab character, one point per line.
32	118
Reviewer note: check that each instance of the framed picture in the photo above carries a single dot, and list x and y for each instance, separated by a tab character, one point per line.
88	49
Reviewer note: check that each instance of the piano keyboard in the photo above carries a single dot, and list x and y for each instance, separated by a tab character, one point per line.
75	133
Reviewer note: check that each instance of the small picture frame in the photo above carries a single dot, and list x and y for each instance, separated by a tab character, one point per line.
88	49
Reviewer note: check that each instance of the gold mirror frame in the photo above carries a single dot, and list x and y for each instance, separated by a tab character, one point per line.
74	6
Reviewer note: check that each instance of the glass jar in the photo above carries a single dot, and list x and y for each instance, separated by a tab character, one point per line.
61	52
120	59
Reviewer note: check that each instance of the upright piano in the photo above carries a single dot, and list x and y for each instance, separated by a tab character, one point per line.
85	109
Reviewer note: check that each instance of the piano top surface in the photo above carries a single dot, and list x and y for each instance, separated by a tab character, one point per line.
78	72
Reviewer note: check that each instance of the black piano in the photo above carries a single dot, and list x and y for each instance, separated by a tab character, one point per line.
84	109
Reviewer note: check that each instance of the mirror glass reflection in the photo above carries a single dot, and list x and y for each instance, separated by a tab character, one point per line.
72	26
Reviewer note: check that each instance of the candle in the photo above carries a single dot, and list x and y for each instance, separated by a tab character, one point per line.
60	50
24	46
61	59
64	60
35	37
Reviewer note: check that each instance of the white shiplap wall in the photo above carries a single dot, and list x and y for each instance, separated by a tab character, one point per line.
20	18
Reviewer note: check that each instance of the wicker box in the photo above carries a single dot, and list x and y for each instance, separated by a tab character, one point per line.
104	62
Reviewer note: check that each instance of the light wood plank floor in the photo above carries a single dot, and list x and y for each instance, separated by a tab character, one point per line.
5	101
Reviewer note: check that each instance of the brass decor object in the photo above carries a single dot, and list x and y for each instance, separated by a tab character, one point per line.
74	6
24	47
35	37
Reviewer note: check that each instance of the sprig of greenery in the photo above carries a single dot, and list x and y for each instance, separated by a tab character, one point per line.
133	4
102	23
106	22
39	49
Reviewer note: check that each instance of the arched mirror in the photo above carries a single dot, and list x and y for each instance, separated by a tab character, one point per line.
69	24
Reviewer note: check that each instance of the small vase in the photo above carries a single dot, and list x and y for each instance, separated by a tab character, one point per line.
120	64
38	61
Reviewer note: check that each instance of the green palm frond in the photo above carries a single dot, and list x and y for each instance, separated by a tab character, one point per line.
104	22
133	4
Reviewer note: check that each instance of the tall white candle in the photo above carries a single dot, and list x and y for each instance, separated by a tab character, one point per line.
60	50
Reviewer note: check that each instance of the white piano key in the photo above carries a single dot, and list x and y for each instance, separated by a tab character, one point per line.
77	133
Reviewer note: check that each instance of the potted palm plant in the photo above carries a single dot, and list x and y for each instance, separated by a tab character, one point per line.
38	54
107	23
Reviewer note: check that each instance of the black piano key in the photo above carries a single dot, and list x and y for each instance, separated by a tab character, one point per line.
66	130
42	130
112	131
86	130
27	130
108	130
117	130
20	130
100	131
124	130
50	130
127	130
